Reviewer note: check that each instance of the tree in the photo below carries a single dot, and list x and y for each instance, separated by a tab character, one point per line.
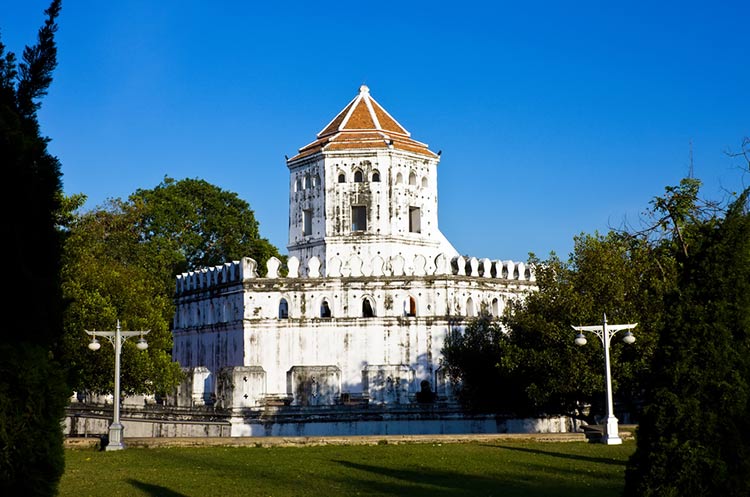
109	273
470	356
209	225
121	260
694	438
533	367
33	393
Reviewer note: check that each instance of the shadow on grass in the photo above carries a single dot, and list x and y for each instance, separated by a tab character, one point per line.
427	483
598	460
155	490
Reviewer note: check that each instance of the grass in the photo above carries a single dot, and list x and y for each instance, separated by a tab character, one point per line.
505	469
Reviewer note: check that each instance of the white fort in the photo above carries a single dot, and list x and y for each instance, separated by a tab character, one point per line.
360	312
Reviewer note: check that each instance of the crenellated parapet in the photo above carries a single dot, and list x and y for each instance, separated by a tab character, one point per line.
237	272
227	273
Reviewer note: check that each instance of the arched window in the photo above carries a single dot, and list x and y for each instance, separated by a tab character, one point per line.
424	181
495	307
375	176
367	311
325	310
470	311
307	181
358	176
399	179
298	185
342	178
315	180
412	178
410	306
283	309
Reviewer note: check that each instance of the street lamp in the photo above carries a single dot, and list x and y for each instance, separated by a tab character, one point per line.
605	333
116	338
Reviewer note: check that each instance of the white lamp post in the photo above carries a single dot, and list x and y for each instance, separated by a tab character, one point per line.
116	338
605	333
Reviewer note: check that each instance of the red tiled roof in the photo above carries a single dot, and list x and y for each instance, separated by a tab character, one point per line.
363	124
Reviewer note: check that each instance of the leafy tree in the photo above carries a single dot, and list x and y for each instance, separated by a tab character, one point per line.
110	274
694	438
33	393
535	367
471	356
209	225
121	260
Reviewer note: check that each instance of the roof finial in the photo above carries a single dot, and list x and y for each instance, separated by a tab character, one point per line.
363	89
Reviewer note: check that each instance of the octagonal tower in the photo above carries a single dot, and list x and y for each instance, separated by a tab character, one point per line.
364	187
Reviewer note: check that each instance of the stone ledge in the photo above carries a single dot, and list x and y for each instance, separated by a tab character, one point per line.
87	443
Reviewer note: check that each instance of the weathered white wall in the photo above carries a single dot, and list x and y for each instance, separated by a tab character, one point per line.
228	317
315	186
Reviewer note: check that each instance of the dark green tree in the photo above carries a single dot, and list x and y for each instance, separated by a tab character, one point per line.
694	438
471	356
109	273
210	226
534	367
121	260
33	392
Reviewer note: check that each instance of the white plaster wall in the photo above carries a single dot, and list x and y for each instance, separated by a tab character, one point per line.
351	345
387	201
250	332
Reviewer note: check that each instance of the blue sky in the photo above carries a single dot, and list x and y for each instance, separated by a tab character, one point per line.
553	118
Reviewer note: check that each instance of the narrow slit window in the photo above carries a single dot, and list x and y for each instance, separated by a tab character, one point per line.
325	310
367	311
283	309
415	217
410	307
307	222
359	218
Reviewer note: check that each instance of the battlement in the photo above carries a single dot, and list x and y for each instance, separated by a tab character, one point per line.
354	267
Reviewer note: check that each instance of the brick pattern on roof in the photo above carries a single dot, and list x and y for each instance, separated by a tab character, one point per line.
363	124
360	118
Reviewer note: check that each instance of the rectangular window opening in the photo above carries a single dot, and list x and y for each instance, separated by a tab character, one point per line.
415	217
307	222
359	218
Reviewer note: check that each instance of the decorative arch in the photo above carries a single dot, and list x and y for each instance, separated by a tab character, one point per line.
368	308
283	309
495	307
325	308
471	310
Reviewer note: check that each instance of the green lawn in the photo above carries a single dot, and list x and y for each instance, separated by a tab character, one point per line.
506	469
